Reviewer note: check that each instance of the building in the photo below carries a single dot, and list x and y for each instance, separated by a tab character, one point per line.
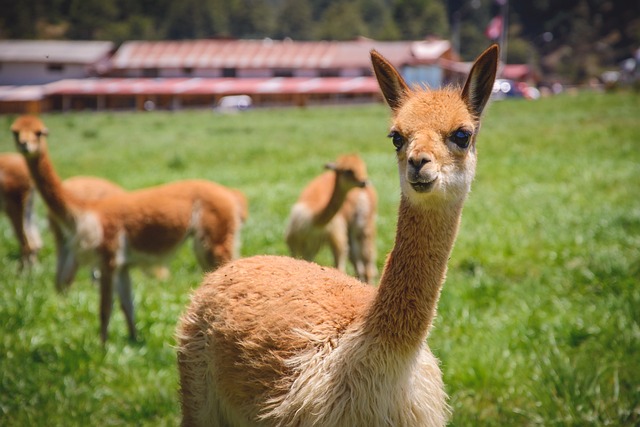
26	62
199	73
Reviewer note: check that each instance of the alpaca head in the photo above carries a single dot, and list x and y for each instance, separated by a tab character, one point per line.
434	131
351	171
30	135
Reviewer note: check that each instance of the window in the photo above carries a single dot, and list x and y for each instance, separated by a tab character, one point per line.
55	67
283	72
150	72
228	72
329	72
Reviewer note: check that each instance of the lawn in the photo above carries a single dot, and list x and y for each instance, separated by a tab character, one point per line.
538	322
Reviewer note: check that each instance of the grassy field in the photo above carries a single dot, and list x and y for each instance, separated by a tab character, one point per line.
539	320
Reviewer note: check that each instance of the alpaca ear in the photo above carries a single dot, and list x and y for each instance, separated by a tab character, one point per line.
391	83
331	166
477	90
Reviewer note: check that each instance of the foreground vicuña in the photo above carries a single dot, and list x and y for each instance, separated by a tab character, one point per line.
274	341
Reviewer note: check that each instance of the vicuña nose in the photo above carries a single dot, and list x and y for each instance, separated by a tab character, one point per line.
418	160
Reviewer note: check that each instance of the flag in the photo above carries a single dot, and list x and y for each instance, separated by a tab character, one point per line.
494	29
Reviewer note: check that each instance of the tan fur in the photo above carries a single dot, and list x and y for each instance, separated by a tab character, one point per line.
337	208
88	188
16	200
142	227
274	341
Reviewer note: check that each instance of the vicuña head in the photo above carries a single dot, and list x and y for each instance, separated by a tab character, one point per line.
29	133
434	133
351	171
274	341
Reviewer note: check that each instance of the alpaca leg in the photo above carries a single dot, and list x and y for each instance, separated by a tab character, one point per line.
66	268
66	263
106	299
33	235
339	248
215	242
123	285
363	256
203	253
15	211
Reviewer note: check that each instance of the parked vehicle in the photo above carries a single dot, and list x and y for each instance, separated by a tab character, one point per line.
505	88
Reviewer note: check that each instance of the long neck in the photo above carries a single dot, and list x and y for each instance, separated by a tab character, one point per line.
50	187
336	200
410	285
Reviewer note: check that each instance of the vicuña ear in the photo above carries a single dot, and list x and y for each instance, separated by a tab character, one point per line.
477	89
390	81
331	166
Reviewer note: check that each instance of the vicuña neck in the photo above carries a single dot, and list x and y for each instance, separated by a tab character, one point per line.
50	187
338	195
414	272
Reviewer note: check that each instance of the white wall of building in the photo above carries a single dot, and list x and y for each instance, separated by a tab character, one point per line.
30	73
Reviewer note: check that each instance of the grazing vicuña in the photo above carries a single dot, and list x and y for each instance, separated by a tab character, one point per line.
142	227
337	208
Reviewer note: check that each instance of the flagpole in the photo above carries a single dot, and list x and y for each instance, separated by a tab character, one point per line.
504	12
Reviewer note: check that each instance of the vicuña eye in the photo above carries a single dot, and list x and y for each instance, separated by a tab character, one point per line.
461	138
397	139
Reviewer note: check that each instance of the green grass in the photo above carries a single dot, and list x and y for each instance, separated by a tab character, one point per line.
538	322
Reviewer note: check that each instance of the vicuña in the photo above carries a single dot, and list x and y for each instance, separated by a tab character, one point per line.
142	227
275	341
337	208
17	201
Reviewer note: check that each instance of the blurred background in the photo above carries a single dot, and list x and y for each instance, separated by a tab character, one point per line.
566	41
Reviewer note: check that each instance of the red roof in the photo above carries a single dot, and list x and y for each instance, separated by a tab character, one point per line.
516	71
258	54
219	86
21	93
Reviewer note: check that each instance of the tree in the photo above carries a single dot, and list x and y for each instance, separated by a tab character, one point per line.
89	18
341	21
420	18
378	17
295	20
251	18
190	19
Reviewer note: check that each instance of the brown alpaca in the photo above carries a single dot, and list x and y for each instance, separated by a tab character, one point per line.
89	188
274	341
142	227
84	188
16	200
337	208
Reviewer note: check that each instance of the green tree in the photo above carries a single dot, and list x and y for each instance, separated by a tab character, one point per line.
419	18
341	21
135	27
377	16
88	18
295	20
189	19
